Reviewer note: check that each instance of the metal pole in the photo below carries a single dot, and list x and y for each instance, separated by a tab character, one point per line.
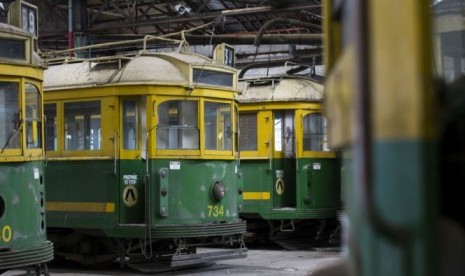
70	25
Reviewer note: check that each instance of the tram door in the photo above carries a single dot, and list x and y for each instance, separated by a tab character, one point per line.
132	141
284	160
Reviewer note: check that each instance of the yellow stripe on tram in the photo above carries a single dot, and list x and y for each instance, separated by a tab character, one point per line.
95	207
256	195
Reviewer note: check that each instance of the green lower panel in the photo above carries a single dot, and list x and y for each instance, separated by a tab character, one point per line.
82	194
184	191
22	217
189	194
403	188
312	191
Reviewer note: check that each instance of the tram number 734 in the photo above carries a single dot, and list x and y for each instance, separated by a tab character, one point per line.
215	210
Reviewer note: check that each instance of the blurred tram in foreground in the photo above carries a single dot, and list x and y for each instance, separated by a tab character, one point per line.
291	177
23	240
395	107
142	160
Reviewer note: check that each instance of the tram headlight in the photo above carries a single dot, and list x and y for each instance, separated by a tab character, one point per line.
218	190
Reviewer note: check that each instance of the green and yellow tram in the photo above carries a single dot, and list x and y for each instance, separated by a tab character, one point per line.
142	160
291	177
23	240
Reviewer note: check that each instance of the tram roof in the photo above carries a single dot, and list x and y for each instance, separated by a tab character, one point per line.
280	89
12	29
147	68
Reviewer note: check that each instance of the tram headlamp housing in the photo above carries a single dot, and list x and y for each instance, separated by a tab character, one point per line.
217	191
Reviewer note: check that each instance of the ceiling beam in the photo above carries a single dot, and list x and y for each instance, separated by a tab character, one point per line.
203	17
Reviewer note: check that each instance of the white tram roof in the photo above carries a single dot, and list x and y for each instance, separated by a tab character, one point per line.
148	68
12	29
280	89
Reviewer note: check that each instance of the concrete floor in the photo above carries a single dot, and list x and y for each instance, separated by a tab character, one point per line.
258	262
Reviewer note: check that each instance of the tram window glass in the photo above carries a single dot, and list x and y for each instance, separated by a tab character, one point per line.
12	48
248	129
213	77
315	138
130	125
178	125
82	125
10	121
449	39
284	132
33	117
218	127
50	111
278	130
453	55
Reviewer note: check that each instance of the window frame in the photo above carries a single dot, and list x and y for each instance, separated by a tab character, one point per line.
154	139
300	115
202	152
37	151
20	150
108	112
264	133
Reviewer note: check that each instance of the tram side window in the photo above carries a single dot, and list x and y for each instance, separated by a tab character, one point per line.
82	125
218	127
248	128
33	117
10	121
130	125
315	138
50	111
178	125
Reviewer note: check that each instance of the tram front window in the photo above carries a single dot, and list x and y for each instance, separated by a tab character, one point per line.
178	125
10	121
218	128
33	118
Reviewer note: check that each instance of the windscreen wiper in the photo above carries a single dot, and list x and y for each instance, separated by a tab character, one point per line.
15	131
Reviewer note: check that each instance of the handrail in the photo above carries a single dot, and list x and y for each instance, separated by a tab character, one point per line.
112	44
166	38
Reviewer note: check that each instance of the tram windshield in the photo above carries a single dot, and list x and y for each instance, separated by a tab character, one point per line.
218	128
10	122
33	117
178	125
179	129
